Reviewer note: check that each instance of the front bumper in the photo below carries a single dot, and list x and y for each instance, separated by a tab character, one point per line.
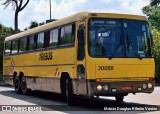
115	88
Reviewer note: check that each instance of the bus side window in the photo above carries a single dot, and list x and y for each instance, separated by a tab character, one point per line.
31	42
14	46
7	48
53	38
67	35
62	36
23	44
40	40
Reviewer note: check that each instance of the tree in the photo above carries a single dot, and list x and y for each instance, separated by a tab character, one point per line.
0	28
42	23
1	52
155	2
18	5
3	31
153	12
34	24
156	52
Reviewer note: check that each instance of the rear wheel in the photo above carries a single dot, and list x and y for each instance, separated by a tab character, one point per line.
24	88
119	98
69	92
17	85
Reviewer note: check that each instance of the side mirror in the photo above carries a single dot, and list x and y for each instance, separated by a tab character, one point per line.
81	40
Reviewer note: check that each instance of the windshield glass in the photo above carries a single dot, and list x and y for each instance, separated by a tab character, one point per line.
118	38
137	38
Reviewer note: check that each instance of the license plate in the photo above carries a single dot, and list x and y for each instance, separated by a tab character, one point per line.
127	87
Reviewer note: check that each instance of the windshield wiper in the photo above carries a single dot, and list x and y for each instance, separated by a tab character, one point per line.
136	54
117	48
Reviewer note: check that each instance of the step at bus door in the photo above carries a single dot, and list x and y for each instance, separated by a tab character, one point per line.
81	72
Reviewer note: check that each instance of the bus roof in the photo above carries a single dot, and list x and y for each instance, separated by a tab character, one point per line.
73	18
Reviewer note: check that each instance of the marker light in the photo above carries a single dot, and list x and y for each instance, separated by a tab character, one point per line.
98	80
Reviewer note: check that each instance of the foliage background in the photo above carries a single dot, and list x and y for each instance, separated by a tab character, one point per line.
156	53
153	13
3	31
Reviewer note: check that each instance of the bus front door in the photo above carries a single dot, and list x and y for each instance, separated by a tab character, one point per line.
82	85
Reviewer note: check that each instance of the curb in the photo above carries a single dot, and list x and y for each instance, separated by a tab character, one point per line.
4	84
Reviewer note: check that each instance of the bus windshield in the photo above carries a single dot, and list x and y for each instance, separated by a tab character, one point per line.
119	38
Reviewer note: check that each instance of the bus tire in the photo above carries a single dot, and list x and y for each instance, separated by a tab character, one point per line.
24	88
69	92
119	98
14	78
17	85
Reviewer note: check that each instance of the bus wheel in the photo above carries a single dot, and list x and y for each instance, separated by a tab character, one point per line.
69	92
119	98
17	85
24	86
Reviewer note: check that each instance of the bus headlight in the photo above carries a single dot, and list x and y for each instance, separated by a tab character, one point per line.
106	87
150	85
99	87
144	86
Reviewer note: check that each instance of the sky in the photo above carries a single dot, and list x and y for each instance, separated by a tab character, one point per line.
38	10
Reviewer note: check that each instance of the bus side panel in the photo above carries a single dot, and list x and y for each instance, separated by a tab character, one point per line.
42	73
8	79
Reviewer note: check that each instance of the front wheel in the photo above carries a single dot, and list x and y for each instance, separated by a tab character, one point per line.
119	98
69	92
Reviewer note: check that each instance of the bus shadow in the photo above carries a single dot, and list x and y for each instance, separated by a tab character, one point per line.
56	102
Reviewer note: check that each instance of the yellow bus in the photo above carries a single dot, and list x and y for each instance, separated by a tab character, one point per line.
89	54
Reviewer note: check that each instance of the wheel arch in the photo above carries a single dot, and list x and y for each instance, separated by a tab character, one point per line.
63	78
14	77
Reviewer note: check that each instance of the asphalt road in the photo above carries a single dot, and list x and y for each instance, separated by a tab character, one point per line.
54	102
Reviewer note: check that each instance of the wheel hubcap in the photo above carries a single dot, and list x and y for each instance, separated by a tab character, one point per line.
23	85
